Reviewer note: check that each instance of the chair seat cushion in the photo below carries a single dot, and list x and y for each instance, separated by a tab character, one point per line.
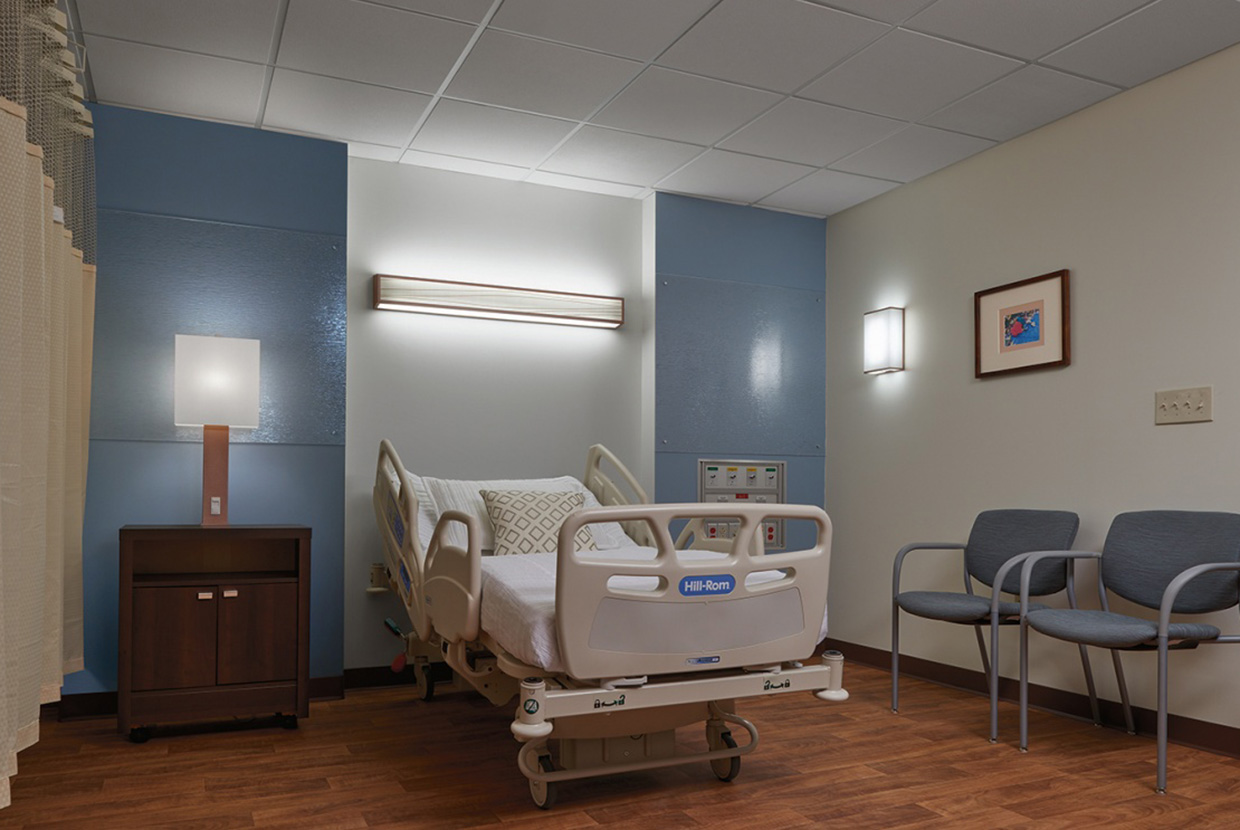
1110	630
952	607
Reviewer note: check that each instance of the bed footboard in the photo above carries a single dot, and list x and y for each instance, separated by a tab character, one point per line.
735	609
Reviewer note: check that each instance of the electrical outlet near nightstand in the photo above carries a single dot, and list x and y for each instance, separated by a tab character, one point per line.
1184	406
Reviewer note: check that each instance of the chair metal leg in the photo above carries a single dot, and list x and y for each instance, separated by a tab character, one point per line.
993	679
1024	685
1123	693
1161	786
981	648
895	657
1089	684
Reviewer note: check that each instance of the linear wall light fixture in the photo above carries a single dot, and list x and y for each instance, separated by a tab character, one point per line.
496	302
884	341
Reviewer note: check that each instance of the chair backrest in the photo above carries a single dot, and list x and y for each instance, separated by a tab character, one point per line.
998	535
1144	551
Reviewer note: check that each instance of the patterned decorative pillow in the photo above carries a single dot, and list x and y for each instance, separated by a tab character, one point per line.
529	521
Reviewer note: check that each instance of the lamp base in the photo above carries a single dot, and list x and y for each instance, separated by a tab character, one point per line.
214	475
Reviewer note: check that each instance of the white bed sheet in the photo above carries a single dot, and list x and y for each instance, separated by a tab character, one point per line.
518	600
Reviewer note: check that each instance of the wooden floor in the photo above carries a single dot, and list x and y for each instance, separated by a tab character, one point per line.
380	759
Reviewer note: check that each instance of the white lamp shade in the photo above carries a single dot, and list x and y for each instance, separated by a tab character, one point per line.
884	341
217	381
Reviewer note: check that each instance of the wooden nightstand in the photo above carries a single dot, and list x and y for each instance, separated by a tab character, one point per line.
214	622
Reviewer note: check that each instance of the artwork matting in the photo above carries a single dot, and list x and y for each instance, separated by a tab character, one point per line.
1022	326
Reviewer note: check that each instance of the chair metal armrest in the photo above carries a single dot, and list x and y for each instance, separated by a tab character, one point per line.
907	549
1177	584
1034	557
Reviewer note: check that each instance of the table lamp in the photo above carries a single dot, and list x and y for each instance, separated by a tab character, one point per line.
215	387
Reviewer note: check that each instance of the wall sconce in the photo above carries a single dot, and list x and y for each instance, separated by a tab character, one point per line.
216	386
884	341
496	302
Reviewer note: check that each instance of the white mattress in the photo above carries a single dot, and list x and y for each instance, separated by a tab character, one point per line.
518	600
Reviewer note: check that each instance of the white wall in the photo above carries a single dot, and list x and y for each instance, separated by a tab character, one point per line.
479	398
1139	196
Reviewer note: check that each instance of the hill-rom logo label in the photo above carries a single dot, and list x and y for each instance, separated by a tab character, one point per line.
707	585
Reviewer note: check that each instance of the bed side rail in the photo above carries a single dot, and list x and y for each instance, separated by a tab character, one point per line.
396	511
690	612
609	493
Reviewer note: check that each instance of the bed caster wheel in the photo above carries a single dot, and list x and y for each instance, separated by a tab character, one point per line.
426	685
544	792
139	735
286	721
726	769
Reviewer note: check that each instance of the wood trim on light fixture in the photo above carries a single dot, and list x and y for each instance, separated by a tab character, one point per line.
610	309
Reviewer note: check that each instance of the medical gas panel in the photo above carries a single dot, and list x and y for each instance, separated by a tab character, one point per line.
757	482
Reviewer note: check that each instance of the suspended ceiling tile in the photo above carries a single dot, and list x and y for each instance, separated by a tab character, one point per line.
166	80
1024	28
1020	102
827	192
345	110
912	153
369	43
598	153
810	133
461	165
733	176
486	133
1153	41
639	29
683	107
771	44
907	75
470	11
361	150
241	29
588	185
888	11
527	74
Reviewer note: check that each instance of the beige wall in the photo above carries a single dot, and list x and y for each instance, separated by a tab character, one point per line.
478	399
1139	196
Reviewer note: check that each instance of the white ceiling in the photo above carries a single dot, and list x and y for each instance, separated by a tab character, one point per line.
796	105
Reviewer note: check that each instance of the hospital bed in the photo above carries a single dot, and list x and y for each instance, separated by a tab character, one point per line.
607	652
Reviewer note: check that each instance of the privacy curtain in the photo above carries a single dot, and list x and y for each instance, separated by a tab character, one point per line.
47	299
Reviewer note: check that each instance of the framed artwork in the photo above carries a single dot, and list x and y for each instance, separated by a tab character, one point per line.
1022	326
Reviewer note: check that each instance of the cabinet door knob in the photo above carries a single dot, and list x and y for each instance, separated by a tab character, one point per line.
229	593
206	595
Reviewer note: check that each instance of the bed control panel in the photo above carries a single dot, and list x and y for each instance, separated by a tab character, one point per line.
724	480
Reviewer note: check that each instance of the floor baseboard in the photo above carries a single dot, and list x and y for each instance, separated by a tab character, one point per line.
1212	737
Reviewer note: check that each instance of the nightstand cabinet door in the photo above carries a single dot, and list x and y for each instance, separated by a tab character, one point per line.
174	646
257	633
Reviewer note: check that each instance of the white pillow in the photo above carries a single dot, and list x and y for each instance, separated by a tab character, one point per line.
529	521
607	535
465	496
452	494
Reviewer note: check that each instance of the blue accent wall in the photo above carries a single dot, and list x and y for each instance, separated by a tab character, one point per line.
214	229
740	344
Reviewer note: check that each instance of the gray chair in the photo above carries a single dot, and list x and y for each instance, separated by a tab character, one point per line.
1178	562
998	542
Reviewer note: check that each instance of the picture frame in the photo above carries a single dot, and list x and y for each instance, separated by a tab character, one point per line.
1022	326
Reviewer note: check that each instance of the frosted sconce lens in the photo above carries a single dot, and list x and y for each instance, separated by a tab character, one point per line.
884	341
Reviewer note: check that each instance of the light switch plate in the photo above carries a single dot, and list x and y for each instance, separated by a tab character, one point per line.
1184	406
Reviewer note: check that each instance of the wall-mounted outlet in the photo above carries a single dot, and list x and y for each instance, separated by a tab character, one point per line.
1184	406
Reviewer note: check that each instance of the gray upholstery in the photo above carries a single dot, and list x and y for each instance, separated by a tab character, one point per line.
997	538
959	608
1109	630
1192	558
998	535
1145	550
